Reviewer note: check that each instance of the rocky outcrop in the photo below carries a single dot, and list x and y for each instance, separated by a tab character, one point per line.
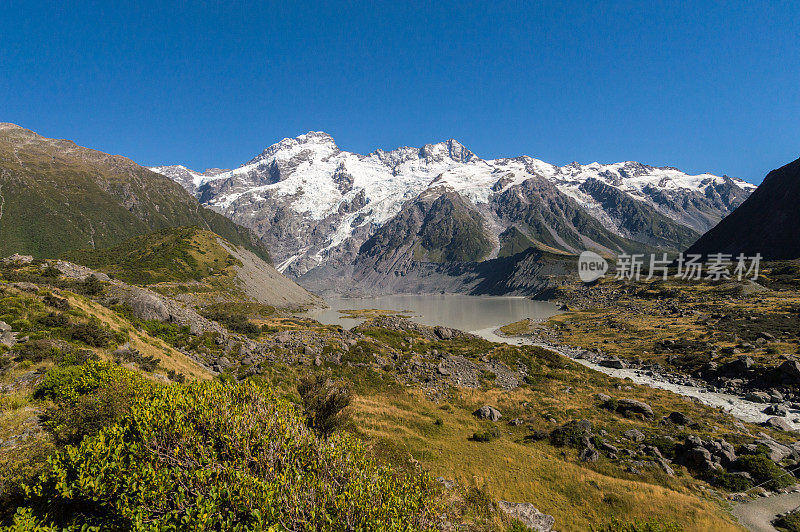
488	412
528	515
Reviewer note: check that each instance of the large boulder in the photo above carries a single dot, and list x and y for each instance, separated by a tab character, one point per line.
589	454
679	418
789	372
737	367
148	306
625	406
778	424
758	397
488	412
634	435
776	451
528	515
8	338
612	362
698	458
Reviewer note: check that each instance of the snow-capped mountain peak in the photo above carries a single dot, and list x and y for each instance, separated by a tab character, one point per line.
315	203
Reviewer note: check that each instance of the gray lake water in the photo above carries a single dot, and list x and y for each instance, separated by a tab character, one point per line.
468	313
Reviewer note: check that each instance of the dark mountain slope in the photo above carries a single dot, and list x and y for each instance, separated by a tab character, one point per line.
768	222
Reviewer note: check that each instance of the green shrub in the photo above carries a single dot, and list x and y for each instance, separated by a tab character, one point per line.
789	522
762	469
147	363
518	526
485	436
730	482
214	456
324	401
37	351
571	434
56	302
641	526
92	333
237	323
54	320
479	502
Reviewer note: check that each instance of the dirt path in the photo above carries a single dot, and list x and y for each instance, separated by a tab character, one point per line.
757	515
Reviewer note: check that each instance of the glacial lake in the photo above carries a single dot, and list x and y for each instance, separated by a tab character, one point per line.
476	314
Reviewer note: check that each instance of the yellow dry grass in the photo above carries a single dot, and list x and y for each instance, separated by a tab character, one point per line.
579	496
171	359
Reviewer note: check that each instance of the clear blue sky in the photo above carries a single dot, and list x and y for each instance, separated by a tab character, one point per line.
704	85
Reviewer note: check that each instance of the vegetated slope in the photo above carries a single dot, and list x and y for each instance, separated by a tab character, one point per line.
194	261
317	205
56	196
768	222
95	436
218	455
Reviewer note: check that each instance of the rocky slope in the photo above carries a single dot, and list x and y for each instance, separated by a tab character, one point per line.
56	196
324	209
768	222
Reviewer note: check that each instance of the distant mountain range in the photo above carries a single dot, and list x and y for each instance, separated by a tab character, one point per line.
323	211
768	222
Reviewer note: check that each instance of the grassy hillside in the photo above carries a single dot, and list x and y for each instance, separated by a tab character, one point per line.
114	402
57	196
197	266
170	255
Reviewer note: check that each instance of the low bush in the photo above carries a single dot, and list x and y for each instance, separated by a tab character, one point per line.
765	471
237	323
789	522
641	526
147	363
485	436
92	333
571	434
729	482
216	456
324	401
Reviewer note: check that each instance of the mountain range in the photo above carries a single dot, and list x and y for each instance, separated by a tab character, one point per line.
331	217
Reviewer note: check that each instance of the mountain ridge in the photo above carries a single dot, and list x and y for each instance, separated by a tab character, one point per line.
317	205
767	222
58	196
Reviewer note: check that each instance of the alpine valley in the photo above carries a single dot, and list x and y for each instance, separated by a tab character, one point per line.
440	218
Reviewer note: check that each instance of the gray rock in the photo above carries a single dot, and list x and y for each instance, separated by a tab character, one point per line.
603	398
605	446
633	435
488	412
443	332
776	410
679	418
777	423
16	258
589	454
634	406
528	515
665	466
699	458
789	372
612	362
147	306
758	397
